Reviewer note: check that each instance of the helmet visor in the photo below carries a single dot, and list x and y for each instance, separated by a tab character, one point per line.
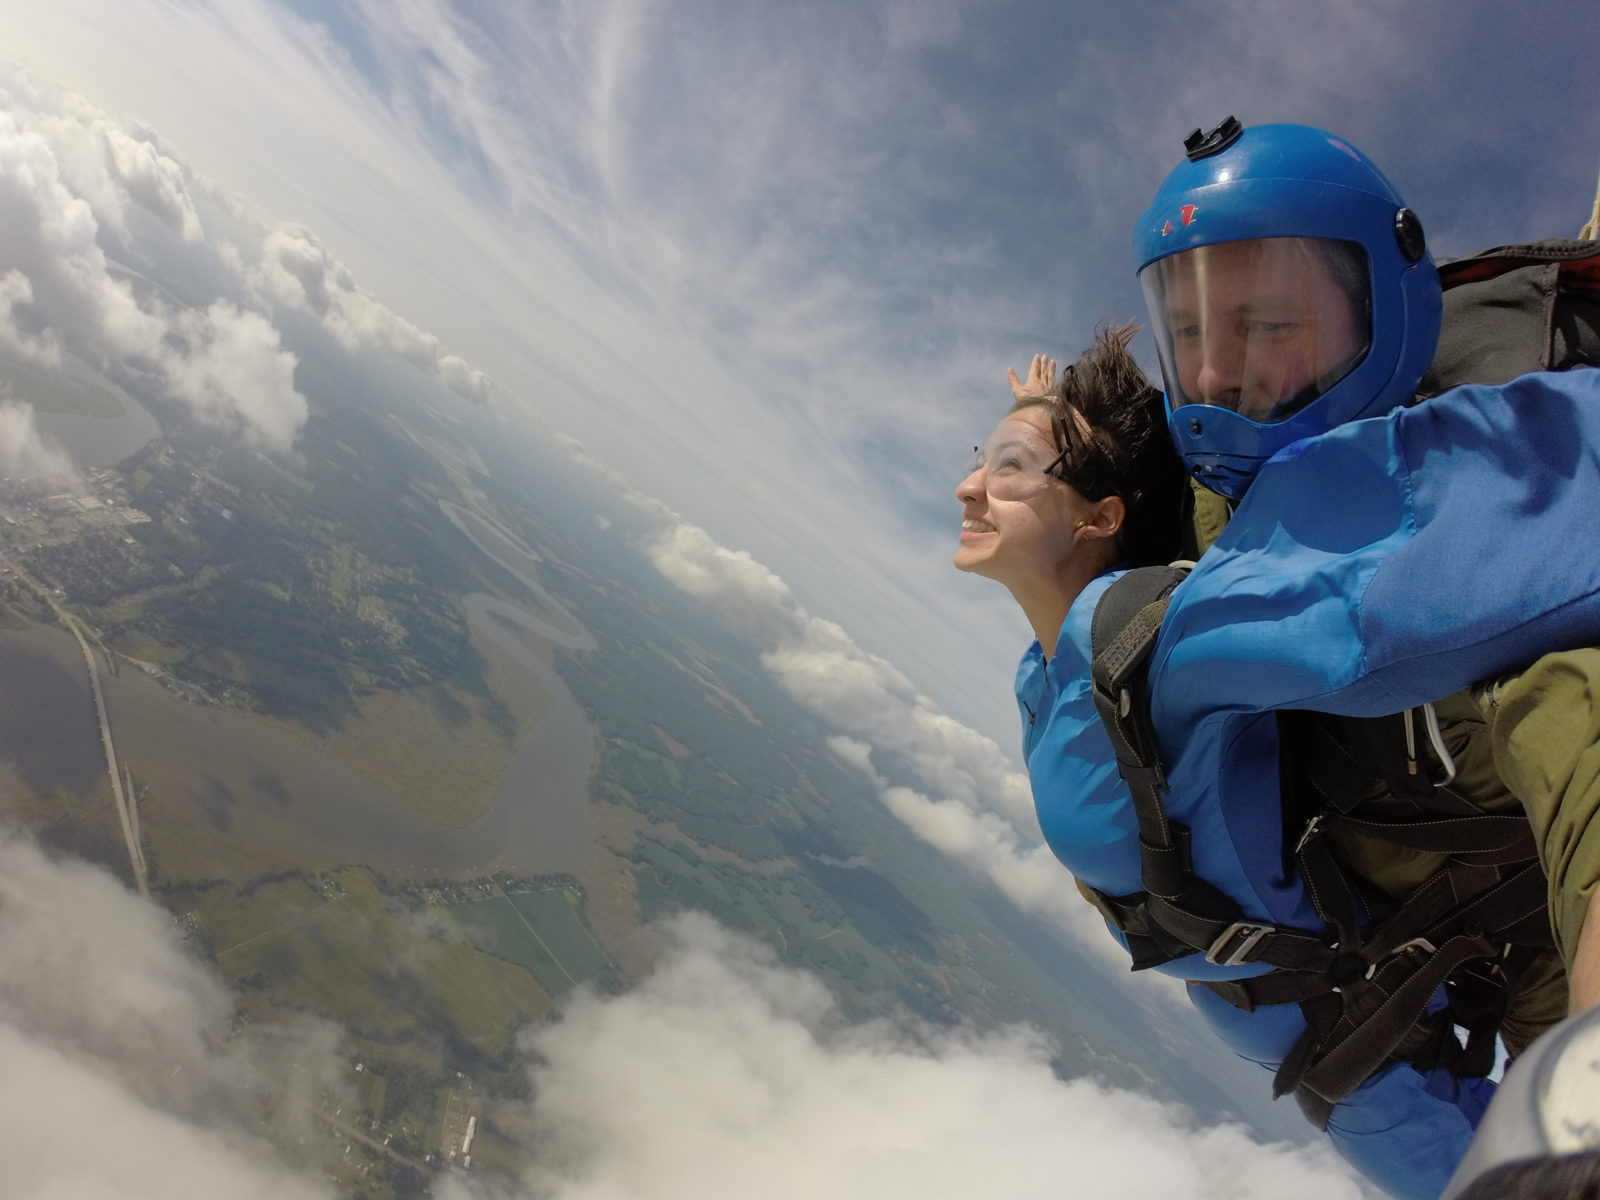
1262	327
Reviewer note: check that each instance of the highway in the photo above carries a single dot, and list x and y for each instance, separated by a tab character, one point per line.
122	796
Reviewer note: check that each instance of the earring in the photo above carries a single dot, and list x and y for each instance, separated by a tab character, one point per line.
1079	526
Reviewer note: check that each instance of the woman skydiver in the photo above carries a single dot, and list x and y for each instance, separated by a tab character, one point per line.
1078	483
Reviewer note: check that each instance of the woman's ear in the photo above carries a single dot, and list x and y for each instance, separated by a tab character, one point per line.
1104	519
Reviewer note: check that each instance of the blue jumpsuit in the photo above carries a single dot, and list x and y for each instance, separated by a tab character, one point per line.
1381	565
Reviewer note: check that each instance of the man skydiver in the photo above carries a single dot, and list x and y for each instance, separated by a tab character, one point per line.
1370	566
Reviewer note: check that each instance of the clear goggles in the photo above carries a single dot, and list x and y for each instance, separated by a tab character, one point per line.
1018	461
1262	327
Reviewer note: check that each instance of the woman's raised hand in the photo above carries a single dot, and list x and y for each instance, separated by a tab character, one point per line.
1041	379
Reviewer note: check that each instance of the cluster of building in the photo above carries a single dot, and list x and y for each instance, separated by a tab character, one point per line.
33	516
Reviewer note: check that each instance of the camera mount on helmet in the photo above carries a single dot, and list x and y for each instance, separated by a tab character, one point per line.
1203	145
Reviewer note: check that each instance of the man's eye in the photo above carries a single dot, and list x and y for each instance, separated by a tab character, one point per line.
1271	328
1008	464
1186	333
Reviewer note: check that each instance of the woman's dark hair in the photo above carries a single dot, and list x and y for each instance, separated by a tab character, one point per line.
1110	425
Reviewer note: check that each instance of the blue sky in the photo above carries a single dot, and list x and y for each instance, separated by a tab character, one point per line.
771	261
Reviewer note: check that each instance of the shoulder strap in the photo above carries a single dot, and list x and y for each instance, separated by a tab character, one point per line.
1126	623
1177	912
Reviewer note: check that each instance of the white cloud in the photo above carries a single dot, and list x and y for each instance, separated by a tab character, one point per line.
741	589
85	199
857	754
152	179
297	271
118	1072
24	452
68	175
68	1131
235	374
33	345
724	1075
982	813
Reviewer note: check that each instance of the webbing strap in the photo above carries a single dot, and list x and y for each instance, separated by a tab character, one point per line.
1486	839
1338	1070
1430	915
1133	607
1235	942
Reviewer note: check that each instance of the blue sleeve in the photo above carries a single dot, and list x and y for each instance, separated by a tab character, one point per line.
1395	560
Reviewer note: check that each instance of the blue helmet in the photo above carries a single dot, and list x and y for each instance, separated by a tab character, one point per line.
1290	290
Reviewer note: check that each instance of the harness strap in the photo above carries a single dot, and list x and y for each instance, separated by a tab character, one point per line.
1134	607
1486	839
1430	916
1340	1068
1232	942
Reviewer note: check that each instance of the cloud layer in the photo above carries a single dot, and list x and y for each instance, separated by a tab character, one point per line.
725	1075
114	250
71	180
973	804
119	1072
25	453
722	1074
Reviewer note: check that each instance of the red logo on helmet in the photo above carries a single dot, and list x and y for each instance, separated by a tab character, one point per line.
1186	213
1166	229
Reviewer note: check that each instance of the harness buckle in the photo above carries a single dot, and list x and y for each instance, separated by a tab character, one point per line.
1417	943
1313	827
1250	934
1422	944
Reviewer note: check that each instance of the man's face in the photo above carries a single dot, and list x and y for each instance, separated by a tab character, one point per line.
1255	324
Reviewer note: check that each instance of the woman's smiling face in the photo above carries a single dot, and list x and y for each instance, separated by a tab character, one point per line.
1018	523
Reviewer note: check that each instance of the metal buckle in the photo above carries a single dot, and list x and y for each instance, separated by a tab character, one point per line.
1422	944
1313	827
1249	931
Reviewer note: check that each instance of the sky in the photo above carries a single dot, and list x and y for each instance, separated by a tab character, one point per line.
763	267
771	261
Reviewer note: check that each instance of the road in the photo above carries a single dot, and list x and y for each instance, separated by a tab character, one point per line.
123	797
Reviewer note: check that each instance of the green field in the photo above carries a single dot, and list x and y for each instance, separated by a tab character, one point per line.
538	931
337	946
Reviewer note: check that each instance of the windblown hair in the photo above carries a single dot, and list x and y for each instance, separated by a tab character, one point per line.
1125	450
